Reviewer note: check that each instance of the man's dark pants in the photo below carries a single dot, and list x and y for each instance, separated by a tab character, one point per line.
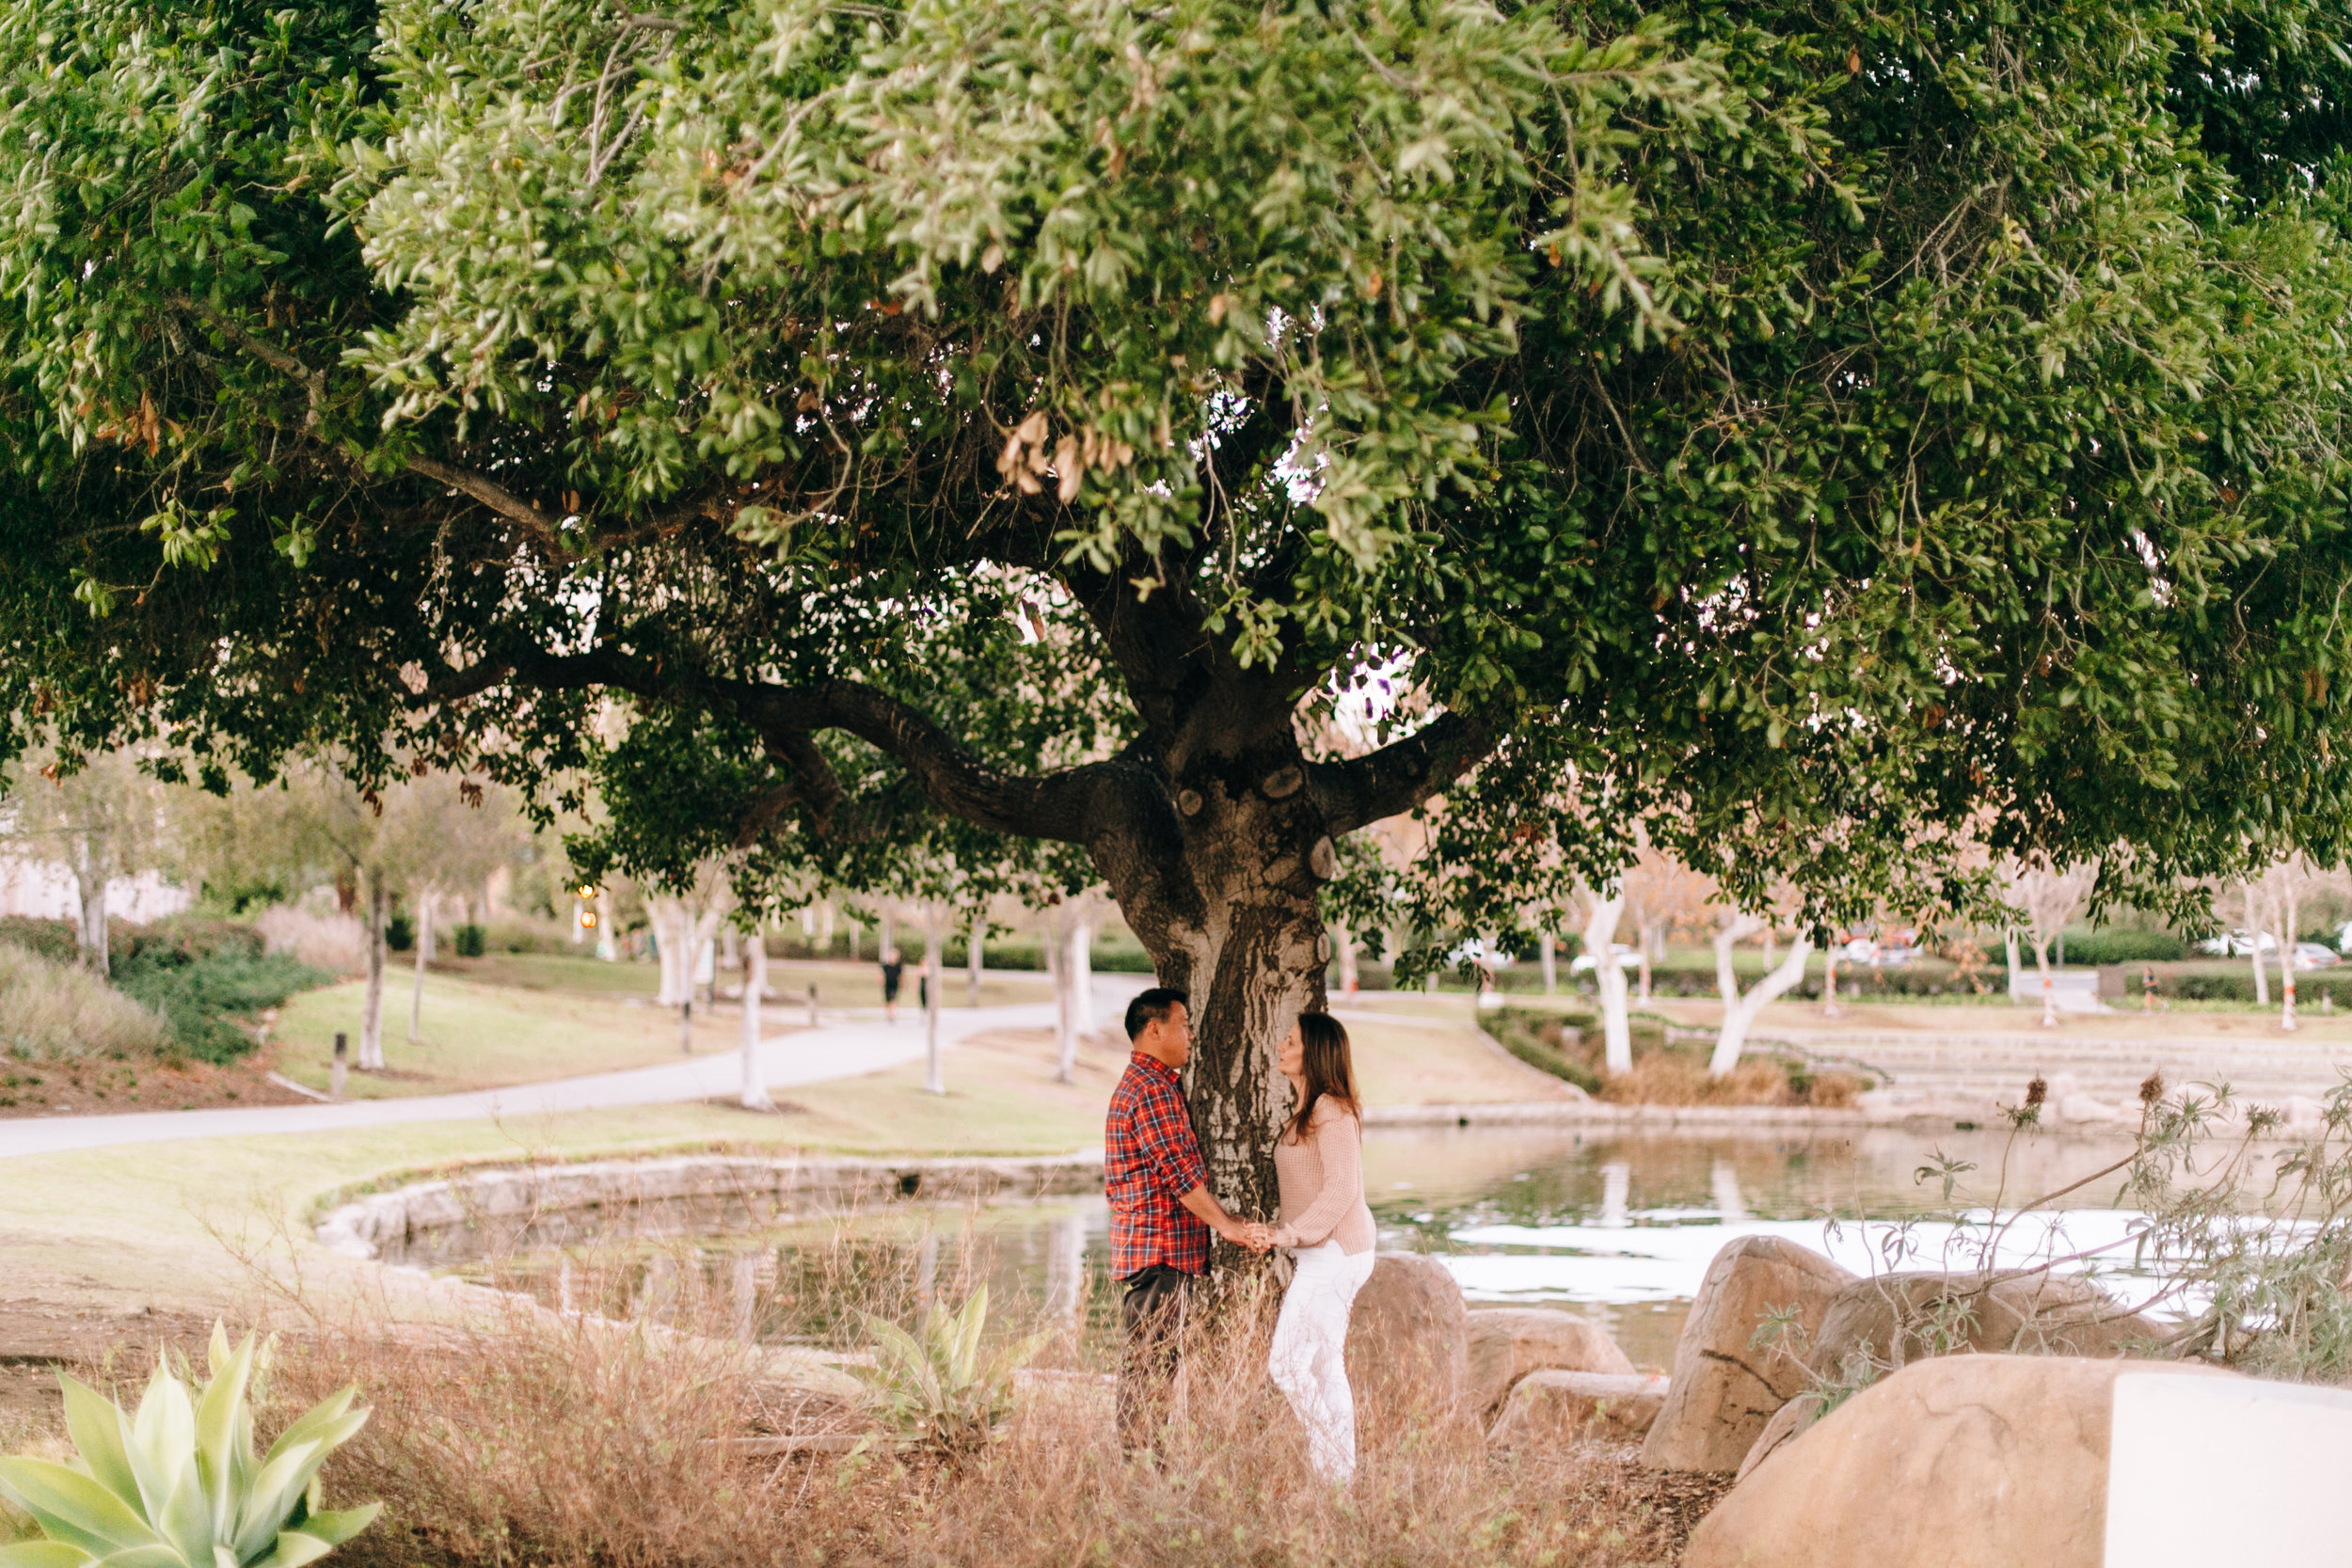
1155	1315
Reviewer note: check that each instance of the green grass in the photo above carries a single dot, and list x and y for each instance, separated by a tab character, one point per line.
528	1017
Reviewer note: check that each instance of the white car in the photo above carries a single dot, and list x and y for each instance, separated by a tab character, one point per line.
2237	945
1627	959
2314	955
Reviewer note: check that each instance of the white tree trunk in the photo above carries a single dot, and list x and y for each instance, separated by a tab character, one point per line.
1740	1012
934	939
1616	1028
1829	979
1640	948
1548	954
426	936
2286	958
754	988
372	1008
667	917
90	876
424	948
2049	997
1082	973
974	961
2255	941
2008	936
1065	1004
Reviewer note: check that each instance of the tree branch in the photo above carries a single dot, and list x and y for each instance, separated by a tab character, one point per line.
547	530
1067	806
313	382
1402	774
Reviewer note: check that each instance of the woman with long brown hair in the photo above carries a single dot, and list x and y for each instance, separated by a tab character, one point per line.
1326	1226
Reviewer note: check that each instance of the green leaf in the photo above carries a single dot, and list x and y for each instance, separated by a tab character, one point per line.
71	1507
43	1554
95	1424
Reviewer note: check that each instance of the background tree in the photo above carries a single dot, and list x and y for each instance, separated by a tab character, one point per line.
1807	429
101	816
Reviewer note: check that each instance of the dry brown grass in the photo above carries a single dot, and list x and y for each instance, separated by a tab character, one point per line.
535	1438
1675	1077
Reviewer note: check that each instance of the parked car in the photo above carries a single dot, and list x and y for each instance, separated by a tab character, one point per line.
1485	954
1627	959
2316	955
2238	945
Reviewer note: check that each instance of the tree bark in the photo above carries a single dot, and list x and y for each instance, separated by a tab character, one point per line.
934	974
2255	941
1056	951
2049	998
371	1009
1082	975
2009	935
1548	952
93	871
424	948
974	961
2286	958
1600	937
754	988
1740	1012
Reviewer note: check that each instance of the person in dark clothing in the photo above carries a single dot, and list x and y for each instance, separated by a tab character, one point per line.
893	970
1162	1211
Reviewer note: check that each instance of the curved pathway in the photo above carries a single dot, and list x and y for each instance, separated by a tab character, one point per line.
844	1049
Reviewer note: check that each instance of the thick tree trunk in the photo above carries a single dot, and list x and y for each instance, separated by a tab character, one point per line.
1222	893
1601	941
755	989
371	1009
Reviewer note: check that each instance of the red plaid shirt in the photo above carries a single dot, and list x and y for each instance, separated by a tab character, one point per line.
1150	1158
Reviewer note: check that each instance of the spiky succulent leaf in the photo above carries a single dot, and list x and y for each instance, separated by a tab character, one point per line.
43	1554
71	1507
95	1424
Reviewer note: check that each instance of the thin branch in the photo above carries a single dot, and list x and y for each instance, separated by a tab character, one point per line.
313	382
543	527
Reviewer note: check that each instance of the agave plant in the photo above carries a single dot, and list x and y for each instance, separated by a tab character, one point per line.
936	1390
178	1484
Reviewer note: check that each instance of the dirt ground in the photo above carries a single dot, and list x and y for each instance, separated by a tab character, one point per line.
100	1088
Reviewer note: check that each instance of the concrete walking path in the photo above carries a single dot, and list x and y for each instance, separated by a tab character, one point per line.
845	1050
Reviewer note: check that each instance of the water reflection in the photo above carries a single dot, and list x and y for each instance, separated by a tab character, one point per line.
1619	1227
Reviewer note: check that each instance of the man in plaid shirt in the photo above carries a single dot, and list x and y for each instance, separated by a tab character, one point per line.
1162	1209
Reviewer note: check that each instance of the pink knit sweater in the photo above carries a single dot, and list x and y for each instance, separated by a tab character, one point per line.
1322	1182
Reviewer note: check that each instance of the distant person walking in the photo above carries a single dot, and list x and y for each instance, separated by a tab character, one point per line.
1326	1226
893	971
1162	1211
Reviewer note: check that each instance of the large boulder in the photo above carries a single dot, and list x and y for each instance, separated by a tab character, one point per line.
1548	1408
1959	1462
1725	1387
1507	1343
1894	1319
1408	1341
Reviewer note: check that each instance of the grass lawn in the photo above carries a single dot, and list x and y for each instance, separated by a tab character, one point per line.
525	1018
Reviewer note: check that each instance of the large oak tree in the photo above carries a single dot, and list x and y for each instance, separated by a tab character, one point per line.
1835	435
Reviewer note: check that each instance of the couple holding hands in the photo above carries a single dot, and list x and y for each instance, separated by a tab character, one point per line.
1163	1212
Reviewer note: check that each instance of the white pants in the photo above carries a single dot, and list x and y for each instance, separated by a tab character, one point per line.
1310	1359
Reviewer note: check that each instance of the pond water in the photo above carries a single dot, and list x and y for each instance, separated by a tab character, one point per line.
1617	1227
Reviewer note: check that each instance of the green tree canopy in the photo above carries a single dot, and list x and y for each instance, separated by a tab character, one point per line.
1838	436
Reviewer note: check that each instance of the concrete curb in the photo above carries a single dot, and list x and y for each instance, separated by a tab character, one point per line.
530	1205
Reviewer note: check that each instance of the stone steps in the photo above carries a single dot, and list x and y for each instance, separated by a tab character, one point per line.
2263	1069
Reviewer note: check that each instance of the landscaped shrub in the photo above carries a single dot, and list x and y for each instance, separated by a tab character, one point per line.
400	934
201	999
2124	947
52	1009
1535	1039
470	940
181	939
51	939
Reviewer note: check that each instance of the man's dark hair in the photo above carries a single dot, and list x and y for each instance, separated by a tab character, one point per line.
1151	1007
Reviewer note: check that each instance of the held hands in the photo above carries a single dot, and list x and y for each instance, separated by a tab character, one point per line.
1253	1235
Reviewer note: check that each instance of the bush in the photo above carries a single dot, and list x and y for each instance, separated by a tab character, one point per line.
400	934
471	941
199	998
2125	947
51	939
1535	1039
181	939
335	943
50	1009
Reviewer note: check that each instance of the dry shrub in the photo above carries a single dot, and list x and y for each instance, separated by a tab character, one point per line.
335	943
546	1440
1677	1078
54	1011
